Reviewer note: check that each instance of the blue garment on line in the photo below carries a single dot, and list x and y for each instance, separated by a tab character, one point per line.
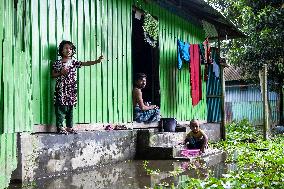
183	52
147	116
216	69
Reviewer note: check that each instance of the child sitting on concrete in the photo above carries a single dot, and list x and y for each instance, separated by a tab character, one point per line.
196	138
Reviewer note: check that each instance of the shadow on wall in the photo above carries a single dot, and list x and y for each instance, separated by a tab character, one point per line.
52	53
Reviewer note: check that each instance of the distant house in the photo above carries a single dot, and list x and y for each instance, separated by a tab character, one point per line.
244	100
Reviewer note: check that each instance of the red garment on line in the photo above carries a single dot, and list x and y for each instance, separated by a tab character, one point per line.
195	74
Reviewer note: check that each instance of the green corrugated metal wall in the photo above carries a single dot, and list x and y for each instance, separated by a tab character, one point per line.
96	27
15	85
250	97
30	32
8	158
105	89
253	111
175	84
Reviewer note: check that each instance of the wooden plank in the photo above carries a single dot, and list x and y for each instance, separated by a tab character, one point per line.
265	102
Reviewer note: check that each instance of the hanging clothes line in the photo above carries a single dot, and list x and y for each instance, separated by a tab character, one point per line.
195	55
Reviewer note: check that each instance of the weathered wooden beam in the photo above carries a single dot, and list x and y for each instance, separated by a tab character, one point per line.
265	102
223	112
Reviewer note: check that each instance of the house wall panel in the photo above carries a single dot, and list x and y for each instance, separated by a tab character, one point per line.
175	84
249	97
34	30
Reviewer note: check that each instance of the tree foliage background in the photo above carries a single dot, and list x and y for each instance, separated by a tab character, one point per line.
263	23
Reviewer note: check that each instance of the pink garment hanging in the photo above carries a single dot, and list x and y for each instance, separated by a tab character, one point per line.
195	74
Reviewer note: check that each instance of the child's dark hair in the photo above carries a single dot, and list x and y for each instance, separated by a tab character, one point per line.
61	45
139	76
194	121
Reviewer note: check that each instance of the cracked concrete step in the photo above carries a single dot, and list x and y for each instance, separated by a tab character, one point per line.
208	153
166	139
150	138
168	152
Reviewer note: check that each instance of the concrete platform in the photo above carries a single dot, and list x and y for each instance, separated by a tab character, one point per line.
42	155
95	127
165	145
45	155
212	129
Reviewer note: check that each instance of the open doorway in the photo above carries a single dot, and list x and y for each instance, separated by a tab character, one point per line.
145	59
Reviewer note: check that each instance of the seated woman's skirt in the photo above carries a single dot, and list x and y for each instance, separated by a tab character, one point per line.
147	116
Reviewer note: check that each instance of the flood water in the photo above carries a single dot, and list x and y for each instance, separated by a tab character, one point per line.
136	174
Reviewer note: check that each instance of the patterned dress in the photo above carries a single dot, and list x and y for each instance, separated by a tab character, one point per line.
66	85
146	116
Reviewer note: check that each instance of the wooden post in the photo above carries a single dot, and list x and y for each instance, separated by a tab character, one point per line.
265	103
281	121
223	116
223	112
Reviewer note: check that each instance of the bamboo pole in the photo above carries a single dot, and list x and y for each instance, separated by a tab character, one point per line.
265	103
223	112
223	116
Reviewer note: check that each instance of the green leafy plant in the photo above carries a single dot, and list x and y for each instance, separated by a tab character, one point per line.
148	170
177	171
256	168
151	29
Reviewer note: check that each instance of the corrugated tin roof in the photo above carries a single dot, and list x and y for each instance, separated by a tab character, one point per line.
198	10
232	73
